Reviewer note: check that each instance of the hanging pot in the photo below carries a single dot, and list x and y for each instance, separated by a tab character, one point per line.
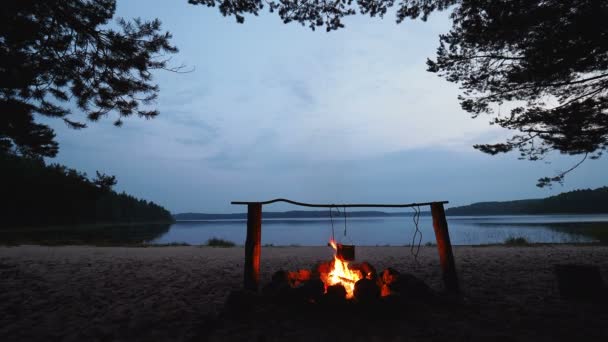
345	252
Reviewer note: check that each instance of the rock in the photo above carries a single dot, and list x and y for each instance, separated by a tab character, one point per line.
279	286
366	291
411	287
336	294
280	276
391	282
312	290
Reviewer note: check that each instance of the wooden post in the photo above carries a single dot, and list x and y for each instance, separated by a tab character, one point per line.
253	246
446	258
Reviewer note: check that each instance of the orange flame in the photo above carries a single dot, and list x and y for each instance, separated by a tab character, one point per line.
340	273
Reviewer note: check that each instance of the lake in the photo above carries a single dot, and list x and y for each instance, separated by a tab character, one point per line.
398	231
370	231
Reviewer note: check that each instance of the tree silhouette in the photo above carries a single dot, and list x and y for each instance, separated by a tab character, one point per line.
54	53
547	58
103	181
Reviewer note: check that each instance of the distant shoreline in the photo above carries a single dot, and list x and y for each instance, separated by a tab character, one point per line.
243	216
577	202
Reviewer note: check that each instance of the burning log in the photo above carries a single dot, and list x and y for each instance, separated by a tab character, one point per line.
347	280
367	270
294	287
388	277
322	267
366	291
298	278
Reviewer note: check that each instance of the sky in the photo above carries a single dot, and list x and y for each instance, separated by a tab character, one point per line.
273	110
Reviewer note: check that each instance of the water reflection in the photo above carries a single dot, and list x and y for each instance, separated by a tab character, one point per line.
84	235
399	230
590	231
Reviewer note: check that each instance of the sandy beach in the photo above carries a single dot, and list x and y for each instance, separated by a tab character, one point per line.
77	293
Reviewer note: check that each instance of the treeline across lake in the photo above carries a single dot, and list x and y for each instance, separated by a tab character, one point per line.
585	201
36	194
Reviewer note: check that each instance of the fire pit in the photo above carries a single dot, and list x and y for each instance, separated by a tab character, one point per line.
340	281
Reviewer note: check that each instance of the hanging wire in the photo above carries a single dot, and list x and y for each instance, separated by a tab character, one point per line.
331	217
332	225
344	210
417	237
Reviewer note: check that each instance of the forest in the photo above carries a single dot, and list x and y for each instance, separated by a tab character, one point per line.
584	201
37	194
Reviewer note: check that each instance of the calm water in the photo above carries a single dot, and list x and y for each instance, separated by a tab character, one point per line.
396	231
399	230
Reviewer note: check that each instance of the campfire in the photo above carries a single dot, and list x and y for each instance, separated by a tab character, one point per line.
339	273
341	279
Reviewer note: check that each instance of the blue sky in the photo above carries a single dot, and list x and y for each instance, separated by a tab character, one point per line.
274	110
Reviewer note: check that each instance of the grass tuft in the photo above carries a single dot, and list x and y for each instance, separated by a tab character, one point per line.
217	242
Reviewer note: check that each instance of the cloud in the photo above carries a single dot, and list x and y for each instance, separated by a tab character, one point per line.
301	91
276	110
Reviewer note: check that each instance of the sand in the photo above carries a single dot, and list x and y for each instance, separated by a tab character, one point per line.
77	293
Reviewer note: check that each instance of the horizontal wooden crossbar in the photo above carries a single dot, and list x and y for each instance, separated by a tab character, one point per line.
340	205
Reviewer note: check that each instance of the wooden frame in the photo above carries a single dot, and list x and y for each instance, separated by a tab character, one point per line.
253	243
